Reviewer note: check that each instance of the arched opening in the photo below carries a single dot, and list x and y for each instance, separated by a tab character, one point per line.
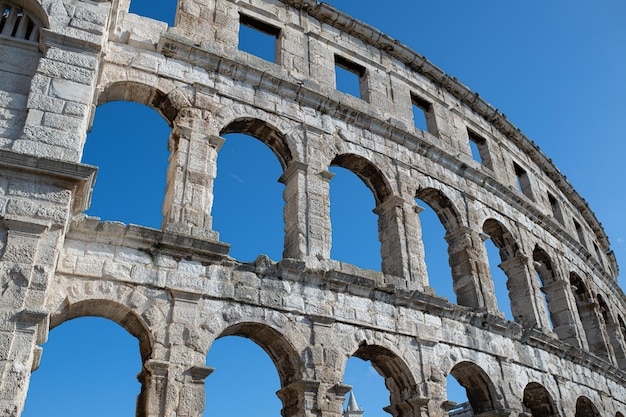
613	332
478	387
248	204
538	401
501	247
285	358
165	11
443	251
397	375
352	224
586	306
129	144
545	277
436	254
585	408
87	362
244	382
458	403
368	387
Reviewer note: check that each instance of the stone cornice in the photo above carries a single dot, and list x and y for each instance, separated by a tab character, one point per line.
79	177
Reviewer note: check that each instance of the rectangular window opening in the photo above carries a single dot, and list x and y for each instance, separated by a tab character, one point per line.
423	115
480	149
556	208
598	254
523	181
350	78
579	232
258	38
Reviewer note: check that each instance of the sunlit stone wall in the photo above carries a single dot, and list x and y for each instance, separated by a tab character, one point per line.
176	289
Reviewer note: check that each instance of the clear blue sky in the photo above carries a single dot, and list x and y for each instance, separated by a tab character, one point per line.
555	68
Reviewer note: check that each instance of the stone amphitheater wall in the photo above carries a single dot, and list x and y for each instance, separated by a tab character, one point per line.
177	290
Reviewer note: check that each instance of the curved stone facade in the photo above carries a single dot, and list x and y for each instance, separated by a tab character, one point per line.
177	290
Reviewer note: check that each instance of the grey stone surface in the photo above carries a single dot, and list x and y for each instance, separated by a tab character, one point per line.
177	290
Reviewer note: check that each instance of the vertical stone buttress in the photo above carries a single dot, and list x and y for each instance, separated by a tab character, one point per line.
38	209
472	282
190	177
42	192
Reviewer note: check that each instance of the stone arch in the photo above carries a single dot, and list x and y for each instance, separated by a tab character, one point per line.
514	265
443	206
167	103
369	173
279	134
585	408
266	133
502	238
613	332
481	392
114	311
552	292
276	344
283	354
539	401
391	366
588	314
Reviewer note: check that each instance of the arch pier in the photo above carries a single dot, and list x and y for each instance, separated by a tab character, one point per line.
177	290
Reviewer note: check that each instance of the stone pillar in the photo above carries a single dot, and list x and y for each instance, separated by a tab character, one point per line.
527	304
393	243
307	213
472	282
300	399
182	393
415	248
190	177
152	399
411	407
562	307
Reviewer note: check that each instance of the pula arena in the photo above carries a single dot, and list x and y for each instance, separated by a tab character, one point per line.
177	290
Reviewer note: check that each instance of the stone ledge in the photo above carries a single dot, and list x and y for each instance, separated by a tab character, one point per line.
153	241
79	177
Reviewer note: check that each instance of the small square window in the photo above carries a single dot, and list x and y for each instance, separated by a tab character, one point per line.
258	38
423	115
556	208
523	181
479	148
350	78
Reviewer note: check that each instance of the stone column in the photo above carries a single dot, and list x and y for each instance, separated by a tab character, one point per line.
393	243
412	407
527	304
307	213
300	399
190	176
415	247
152	398
472	282
562	306
24	277
182	388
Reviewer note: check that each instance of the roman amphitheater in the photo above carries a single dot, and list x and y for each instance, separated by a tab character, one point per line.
177	290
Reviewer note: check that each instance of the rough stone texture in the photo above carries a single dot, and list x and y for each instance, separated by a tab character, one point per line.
177	290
